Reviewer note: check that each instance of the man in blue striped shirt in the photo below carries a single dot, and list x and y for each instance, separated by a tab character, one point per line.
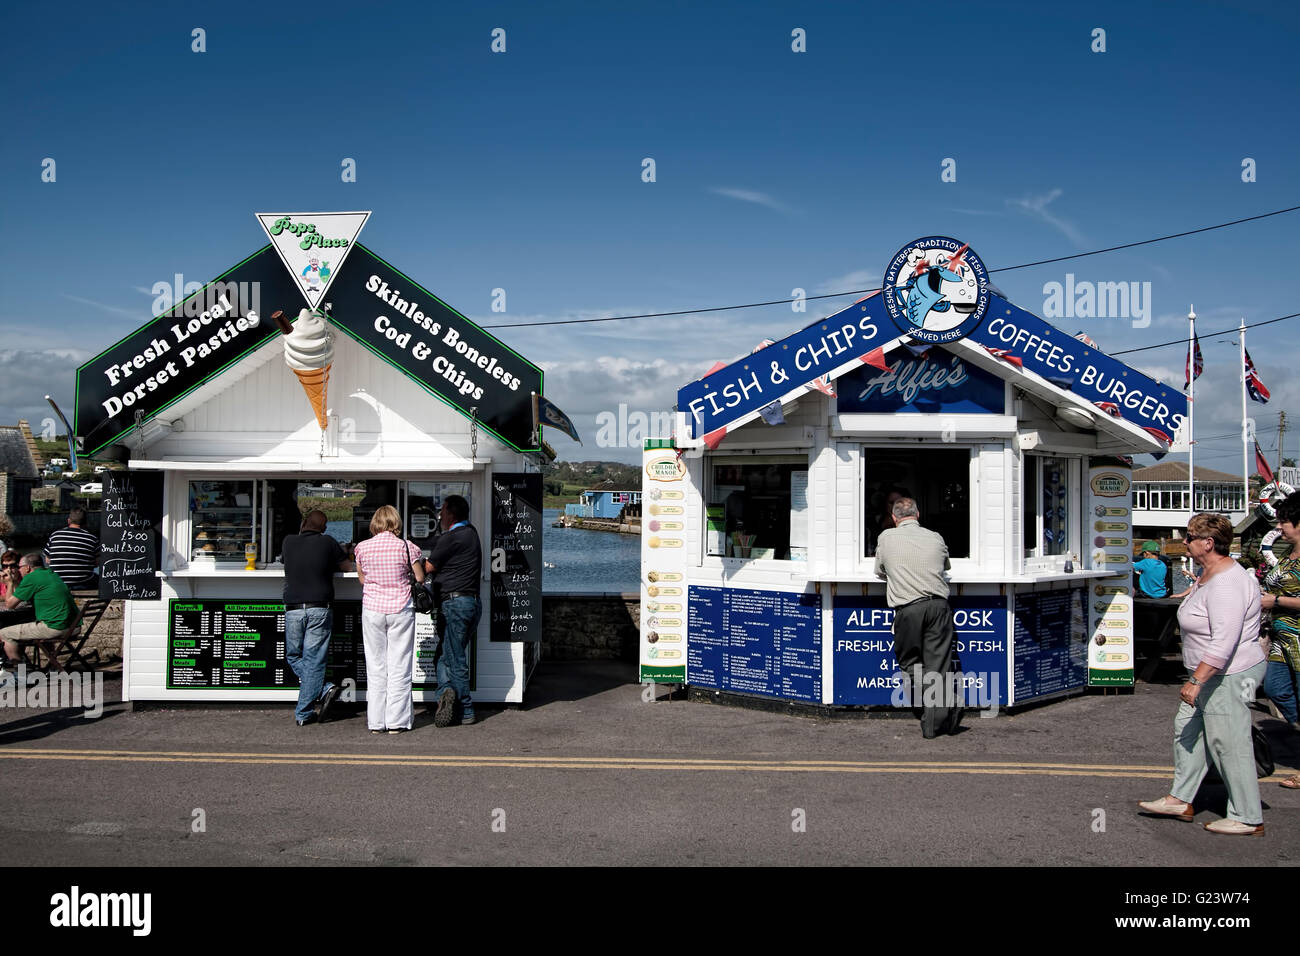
73	552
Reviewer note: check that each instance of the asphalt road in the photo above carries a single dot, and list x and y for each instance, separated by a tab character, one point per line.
591	773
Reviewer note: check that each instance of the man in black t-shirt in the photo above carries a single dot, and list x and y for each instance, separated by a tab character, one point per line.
310	559
456	562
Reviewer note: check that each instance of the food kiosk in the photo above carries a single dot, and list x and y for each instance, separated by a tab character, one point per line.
762	512
312	373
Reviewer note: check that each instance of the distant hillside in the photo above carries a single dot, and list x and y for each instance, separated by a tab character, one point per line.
563	481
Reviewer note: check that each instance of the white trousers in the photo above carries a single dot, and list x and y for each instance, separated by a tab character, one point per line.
390	648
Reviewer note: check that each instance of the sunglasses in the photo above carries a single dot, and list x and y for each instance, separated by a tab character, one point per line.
10	564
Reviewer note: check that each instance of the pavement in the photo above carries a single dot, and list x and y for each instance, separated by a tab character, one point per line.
589	771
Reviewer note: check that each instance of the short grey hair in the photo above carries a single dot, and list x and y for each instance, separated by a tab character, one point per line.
33	560
905	508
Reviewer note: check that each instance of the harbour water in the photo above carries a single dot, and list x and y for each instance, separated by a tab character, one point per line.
576	560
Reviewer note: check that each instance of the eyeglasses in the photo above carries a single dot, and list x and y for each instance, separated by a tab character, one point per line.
10	564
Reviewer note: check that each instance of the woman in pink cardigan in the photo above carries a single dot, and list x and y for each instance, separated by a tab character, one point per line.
1219	620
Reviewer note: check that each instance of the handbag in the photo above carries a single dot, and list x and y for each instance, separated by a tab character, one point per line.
421	597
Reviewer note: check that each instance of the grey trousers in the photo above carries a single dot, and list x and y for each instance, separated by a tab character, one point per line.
924	634
1218	729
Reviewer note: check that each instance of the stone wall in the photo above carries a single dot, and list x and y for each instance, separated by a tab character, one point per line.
583	627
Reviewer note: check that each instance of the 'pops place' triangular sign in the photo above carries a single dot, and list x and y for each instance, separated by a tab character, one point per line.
313	246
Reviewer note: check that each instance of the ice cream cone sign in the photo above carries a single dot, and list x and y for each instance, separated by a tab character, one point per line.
309	352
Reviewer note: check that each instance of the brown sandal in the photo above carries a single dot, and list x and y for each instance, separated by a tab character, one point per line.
1291	783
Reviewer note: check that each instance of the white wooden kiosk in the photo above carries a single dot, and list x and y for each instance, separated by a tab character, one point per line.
758	570
242	443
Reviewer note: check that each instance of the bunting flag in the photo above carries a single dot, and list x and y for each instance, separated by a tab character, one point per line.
1195	364
1110	408
1254	386
1006	356
548	413
772	414
1261	466
823	385
876	358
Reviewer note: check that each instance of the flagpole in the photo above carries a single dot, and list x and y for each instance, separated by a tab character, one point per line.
1245	465
1191	410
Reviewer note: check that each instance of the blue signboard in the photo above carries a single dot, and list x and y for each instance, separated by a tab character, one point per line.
1070	364
867	674
755	642
760	379
934	382
1051	642
757	380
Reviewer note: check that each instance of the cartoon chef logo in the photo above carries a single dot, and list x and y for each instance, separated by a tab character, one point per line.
936	290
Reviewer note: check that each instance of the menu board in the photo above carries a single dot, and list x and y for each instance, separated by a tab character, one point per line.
1051	642
239	645
130	547
866	668
662	649
516	556
1110	500
756	642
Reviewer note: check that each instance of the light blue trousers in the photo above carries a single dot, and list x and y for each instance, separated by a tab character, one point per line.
1218	729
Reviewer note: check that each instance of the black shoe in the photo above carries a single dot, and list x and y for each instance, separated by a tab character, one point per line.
326	700
310	719
446	711
467	720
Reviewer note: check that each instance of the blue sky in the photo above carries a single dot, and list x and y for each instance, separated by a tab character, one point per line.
774	170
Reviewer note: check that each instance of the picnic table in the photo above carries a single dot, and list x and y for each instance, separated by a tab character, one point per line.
1156	619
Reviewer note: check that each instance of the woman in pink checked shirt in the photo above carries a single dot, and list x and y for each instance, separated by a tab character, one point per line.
385	564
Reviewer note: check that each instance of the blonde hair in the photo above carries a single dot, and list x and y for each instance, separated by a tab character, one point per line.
1216	527
386	518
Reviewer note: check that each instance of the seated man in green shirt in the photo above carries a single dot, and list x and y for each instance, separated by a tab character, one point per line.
55	609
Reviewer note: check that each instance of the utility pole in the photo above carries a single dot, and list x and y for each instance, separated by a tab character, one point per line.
1281	433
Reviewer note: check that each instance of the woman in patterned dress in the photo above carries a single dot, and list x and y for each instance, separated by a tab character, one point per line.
1281	598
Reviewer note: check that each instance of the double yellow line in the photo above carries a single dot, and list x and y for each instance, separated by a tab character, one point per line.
731	765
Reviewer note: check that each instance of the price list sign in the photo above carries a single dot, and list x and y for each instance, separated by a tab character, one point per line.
129	545
516	567
1051	633
240	645
756	642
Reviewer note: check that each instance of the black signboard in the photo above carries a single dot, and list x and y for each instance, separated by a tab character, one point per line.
516	557
411	328
130	545
167	358
1050	635
239	645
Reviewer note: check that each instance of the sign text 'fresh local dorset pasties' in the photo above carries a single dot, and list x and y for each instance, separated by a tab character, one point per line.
374	303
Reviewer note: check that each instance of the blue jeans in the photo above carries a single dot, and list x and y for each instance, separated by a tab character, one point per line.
460	617
1279	687
306	643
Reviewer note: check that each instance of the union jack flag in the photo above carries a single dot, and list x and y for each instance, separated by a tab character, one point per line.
1254	386
1110	408
1195	363
823	385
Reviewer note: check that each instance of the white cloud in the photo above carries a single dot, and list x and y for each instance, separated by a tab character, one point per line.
1036	206
31	374
752	196
857	279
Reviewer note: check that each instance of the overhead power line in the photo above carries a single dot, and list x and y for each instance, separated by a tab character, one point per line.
836	295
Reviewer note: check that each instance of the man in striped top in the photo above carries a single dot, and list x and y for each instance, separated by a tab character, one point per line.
912	560
72	552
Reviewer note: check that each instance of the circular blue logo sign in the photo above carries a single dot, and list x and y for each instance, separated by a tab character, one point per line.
936	290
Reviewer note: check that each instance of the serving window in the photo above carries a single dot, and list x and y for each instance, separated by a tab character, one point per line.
1051	520
224	521
937	479
758	507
